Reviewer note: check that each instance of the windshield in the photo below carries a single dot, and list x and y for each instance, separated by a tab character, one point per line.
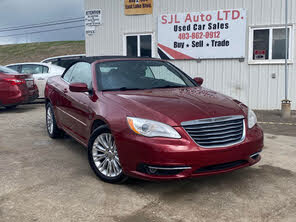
137	75
7	70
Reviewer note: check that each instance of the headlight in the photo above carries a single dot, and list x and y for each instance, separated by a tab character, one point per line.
252	119
151	128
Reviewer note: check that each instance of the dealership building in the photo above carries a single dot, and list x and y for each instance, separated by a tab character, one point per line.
237	46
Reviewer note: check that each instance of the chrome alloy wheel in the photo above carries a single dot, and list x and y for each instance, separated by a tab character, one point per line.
49	120
105	155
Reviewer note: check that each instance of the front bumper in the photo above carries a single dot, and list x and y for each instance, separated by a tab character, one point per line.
138	154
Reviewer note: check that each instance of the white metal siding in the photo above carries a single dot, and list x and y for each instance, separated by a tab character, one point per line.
251	84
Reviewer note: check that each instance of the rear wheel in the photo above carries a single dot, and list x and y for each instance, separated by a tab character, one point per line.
103	156
51	125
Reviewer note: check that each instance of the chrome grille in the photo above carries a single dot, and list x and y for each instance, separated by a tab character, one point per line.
216	132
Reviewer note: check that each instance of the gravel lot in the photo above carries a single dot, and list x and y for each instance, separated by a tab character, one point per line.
49	180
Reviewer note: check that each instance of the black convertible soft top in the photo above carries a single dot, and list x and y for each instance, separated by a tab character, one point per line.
96	58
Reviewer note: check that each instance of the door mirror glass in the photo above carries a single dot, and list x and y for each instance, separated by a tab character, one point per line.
198	80
78	87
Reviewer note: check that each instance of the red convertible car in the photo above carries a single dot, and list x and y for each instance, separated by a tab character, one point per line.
146	118
16	88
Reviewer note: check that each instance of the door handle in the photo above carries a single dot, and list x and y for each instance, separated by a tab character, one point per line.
40	78
65	91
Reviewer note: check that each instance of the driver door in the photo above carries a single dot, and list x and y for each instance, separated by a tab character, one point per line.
77	108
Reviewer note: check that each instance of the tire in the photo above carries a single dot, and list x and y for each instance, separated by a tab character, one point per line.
103	157
10	107
51	125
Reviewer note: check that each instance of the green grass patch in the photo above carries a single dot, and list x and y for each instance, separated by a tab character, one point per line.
35	52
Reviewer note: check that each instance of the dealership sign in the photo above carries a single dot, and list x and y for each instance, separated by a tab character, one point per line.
202	35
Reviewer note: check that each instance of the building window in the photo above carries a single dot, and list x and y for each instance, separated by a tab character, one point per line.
279	43
261	44
138	45
267	45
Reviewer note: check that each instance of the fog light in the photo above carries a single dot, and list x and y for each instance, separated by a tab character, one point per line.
161	170
152	170
255	155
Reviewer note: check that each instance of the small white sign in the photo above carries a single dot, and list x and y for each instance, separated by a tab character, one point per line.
93	17
90	30
198	35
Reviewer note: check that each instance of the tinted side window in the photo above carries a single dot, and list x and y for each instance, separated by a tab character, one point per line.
16	68
7	70
67	75
82	73
65	63
31	69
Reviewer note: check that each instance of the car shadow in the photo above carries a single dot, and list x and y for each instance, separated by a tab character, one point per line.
20	108
250	190
37	101
249	182
241	182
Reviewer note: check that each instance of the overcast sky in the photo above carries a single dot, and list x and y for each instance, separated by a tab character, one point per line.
27	12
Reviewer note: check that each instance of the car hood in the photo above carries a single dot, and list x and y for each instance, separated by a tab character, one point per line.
176	105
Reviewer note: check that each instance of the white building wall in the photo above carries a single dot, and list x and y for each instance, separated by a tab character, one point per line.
251	84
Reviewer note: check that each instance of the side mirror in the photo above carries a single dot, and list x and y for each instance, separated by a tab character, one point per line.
198	80
78	87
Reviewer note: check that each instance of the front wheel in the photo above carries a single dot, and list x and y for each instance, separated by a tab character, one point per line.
103	156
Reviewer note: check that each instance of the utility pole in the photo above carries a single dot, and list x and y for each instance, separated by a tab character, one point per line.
286	103
286	54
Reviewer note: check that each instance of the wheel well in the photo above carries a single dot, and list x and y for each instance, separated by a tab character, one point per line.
96	124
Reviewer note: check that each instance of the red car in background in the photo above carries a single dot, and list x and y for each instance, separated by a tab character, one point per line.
16	88
146	118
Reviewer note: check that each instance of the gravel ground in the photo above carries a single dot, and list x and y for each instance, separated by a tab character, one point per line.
272	122
50	180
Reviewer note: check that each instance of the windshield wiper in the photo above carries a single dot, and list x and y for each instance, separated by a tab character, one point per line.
169	86
121	89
